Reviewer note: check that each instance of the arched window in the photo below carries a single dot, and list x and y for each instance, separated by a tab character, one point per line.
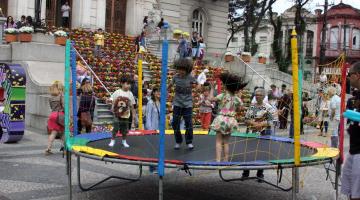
356	39
334	37
198	21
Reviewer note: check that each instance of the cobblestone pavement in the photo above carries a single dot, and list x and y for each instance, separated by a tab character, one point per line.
26	173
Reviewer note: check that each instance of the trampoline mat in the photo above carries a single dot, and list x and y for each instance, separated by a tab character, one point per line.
242	149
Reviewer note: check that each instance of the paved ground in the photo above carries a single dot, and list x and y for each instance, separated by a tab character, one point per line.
25	173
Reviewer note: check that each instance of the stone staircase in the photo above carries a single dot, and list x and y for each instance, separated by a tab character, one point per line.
102	113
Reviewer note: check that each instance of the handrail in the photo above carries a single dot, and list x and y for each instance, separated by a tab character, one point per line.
97	78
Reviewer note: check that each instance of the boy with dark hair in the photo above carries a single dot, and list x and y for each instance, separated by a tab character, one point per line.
182	102
123	102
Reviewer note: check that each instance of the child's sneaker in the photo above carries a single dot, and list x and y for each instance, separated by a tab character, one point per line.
125	144
112	143
177	146
190	146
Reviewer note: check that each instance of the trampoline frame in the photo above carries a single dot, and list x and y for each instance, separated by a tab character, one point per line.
185	167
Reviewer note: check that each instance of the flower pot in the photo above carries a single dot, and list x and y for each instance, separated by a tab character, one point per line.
229	58
60	40
262	60
246	58
25	37
10	38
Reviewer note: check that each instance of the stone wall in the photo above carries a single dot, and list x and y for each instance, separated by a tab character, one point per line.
43	63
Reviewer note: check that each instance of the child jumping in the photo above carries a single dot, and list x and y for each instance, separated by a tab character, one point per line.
225	122
123	102
206	107
183	82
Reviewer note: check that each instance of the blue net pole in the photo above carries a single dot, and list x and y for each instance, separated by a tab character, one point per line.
74	92
67	94
163	90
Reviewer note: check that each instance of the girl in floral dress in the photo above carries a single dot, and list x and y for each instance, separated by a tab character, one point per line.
225	122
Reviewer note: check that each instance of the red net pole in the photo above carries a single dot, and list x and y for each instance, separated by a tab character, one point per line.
342	110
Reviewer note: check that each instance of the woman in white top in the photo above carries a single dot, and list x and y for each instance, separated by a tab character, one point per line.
324	115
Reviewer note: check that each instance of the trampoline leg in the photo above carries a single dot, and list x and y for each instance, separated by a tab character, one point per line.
69	172
161	188
254	178
295	182
104	180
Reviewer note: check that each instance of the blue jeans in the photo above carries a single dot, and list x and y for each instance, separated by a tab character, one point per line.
186	114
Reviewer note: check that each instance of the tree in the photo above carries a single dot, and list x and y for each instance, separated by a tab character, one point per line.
282	61
251	14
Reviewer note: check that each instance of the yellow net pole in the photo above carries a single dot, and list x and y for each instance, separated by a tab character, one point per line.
140	91
296	98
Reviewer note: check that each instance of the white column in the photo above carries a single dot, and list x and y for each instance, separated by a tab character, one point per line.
134	17
43	9
101	14
81	12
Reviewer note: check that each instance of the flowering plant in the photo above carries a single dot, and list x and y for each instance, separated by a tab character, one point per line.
246	54
26	29
262	55
60	33
177	32
11	31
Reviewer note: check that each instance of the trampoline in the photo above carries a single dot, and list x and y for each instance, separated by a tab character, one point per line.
247	151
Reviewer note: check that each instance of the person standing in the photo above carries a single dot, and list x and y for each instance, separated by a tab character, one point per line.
350	182
9	23
258	119
22	22
194	44
99	42
65	10
152	112
86	108
334	112
284	108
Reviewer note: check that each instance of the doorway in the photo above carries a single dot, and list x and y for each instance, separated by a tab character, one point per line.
53	12
115	16
4	7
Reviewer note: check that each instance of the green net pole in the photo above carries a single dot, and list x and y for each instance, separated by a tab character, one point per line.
67	95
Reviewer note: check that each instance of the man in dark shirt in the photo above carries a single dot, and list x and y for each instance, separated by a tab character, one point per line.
351	170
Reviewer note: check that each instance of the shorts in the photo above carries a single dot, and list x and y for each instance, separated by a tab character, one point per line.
350	180
122	125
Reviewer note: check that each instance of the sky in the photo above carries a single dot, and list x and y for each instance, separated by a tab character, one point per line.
281	5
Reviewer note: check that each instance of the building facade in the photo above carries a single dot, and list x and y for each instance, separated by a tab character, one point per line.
208	17
265	38
342	34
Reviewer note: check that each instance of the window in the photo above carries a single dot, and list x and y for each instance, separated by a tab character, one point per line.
356	39
263	39
234	39
309	43
334	37
347	37
198	22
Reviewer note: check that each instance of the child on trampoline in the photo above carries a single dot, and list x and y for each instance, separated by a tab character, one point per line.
123	103
229	104
183	82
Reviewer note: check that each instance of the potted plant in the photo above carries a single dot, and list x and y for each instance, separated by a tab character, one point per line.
262	58
229	57
177	34
25	34
246	56
60	37
11	35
